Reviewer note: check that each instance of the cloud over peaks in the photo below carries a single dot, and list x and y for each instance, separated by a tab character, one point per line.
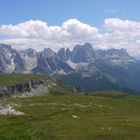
38	35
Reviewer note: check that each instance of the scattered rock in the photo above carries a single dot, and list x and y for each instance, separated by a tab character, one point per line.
102	128
9	110
63	109
109	128
75	117
79	105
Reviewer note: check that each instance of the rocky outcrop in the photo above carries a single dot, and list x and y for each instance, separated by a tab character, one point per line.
83	53
19	89
78	90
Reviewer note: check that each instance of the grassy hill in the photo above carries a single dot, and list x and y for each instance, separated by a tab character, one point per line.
72	118
55	86
110	94
12	79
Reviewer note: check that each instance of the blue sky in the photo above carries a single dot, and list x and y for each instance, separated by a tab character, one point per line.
55	24
55	12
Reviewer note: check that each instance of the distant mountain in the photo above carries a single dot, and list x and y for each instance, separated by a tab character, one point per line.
83	53
112	69
49	62
30	61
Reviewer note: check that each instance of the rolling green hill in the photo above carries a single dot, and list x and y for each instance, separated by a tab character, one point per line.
54	87
12	79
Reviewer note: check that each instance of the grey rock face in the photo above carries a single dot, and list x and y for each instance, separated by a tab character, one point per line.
68	53
83	53
26	61
19	89
19	63
12	60
28	58
49	62
78	90
112	53
62	54
6	58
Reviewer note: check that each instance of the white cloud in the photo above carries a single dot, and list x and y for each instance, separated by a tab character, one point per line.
27	29
122	25
38	35
123	34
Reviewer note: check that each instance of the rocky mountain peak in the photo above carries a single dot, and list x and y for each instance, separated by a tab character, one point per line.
87	46
83	53
68	53
123	52
48	53
113	53
62	54
29	52
117	53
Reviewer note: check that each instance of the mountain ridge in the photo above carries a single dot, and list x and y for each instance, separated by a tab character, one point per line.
80	54
114	66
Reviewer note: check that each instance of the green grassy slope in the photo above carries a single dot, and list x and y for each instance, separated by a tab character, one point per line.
110	94
12	79
55	86
60	89
50	118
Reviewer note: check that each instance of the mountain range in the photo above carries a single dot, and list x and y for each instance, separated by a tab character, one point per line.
112	69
